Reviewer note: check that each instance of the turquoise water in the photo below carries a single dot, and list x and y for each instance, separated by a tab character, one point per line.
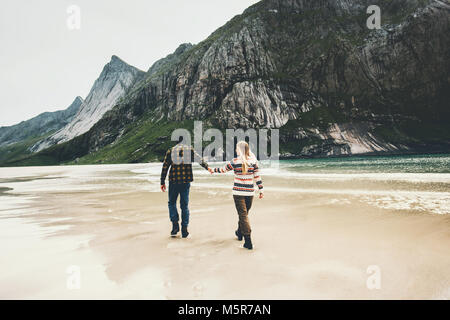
371	164
409	183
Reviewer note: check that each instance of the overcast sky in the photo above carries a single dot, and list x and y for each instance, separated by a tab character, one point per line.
45	65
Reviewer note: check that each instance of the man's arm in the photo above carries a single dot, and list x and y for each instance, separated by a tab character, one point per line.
201	161
165	168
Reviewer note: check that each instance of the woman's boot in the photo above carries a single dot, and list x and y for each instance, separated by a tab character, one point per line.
248	243
238	234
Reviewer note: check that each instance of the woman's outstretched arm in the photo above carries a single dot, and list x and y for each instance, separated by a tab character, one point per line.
225	169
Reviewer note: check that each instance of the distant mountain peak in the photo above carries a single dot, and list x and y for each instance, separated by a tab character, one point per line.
76	104
171	58
115	80
39	125
183	47
117	64
116	59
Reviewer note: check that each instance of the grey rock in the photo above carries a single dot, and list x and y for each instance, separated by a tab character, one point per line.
116	79
40	125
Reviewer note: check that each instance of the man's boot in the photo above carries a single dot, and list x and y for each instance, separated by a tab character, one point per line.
175	229
248	243
184	231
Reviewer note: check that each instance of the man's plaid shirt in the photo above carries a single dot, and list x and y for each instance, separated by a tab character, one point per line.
179	160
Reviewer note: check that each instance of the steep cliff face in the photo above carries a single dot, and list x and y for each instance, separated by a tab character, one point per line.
40	125
116	79
311	68
389	86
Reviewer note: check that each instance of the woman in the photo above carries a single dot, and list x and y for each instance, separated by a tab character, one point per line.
246	172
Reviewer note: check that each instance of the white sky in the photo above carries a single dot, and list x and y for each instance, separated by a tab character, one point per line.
44	65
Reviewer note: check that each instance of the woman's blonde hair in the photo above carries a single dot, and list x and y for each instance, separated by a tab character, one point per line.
244	154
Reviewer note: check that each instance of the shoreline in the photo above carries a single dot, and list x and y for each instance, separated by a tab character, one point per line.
281	158
370	154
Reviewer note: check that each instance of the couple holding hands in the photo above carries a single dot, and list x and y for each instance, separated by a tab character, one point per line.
246	176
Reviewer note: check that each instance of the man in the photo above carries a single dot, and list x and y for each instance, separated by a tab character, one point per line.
179	160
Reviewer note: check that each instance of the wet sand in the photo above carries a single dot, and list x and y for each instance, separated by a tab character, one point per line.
314	238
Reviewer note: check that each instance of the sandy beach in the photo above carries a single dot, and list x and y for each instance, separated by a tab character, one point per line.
315	236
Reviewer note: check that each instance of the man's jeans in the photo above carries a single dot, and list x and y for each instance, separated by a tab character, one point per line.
181	189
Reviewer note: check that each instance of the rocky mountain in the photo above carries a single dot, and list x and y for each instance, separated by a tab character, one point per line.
116	79
40	125
17	139
171	59
311	68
